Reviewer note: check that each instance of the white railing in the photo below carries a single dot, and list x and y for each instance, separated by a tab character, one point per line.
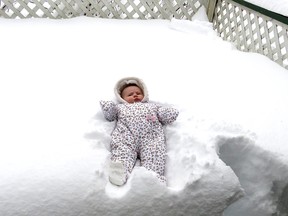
118	9
253	31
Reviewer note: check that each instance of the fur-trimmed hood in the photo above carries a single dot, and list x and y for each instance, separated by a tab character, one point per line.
126	81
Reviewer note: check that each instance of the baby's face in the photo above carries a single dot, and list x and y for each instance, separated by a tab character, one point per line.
132	94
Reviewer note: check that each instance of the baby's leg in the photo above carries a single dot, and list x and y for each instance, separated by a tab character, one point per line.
125	155
153	156
123	158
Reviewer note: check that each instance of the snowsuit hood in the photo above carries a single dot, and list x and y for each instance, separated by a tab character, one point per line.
122	83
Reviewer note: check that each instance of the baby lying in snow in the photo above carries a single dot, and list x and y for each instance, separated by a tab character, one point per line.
139	130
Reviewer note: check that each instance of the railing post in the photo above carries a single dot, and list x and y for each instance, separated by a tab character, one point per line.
211	9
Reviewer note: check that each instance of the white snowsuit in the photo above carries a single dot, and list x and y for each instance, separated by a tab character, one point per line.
139	130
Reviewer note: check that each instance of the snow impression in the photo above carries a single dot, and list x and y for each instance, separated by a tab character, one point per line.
227	151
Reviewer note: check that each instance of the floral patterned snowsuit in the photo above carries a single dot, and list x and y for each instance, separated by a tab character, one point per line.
139	133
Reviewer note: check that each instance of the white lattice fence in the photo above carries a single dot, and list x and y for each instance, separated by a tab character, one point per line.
252	31
119	9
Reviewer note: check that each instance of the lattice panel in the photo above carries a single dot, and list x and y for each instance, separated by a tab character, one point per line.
119	9
252	31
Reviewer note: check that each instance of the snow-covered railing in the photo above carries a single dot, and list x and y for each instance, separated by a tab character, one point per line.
253	29
119	9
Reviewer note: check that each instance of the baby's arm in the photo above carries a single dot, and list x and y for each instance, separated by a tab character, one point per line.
167	115
109	110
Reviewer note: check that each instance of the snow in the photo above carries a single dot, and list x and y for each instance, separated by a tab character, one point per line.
227	151
279	6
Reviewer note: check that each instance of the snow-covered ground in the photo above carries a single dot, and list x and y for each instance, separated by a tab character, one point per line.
230	140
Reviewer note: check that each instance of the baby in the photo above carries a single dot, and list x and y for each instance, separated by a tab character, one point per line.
139	130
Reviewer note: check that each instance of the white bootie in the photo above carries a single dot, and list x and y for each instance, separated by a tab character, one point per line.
117	174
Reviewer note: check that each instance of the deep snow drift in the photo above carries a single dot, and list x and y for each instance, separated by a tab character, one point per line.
231	133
